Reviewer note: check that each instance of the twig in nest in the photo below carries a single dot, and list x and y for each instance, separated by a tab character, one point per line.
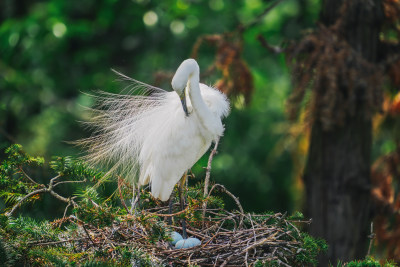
87	233
52	243
170	214
254	232
121	197
219	228
223	189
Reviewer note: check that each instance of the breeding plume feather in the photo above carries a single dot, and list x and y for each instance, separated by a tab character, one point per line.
155	137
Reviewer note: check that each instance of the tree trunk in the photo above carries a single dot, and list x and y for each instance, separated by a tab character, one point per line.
337	173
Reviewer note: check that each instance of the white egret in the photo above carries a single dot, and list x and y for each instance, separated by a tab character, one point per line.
159	135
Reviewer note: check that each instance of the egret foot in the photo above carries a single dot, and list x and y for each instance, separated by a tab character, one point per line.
170	205
135	201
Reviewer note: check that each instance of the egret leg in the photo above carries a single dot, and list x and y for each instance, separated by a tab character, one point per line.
170	205
135	201
182	202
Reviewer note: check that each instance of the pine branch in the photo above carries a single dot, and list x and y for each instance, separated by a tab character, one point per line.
49	189
19	203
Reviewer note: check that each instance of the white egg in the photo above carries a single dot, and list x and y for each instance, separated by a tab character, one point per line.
188	243
175	236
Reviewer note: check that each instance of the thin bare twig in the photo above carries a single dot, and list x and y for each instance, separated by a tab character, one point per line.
59	197
52	243
254	232
27	176
208	174
259	17
233	197
271	48
19	203
66	209
170	214
49	189
87	233
371	239
121	197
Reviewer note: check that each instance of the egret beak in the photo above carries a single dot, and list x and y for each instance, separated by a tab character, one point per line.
183	101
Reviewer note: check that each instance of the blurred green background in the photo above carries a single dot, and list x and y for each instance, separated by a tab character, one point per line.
52	52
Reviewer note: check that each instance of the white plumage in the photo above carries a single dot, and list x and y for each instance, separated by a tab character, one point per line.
150	137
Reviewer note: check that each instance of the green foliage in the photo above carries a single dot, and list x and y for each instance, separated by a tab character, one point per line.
71	168
368	262
71	240
93	209
47	257
27	228
296	216
312	247
3	252
14	184
98	215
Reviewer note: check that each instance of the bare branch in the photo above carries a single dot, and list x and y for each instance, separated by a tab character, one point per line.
19	203
371	239
223	189
39	243
259	17
271	48
207	179
120	196
49	189
208	173
27	176
66	209
91	240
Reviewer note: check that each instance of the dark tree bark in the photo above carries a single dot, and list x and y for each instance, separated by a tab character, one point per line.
337	173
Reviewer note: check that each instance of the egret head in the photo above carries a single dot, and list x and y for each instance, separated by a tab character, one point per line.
182	96
179	86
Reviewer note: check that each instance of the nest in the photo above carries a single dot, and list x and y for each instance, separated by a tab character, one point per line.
228	238
242	246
